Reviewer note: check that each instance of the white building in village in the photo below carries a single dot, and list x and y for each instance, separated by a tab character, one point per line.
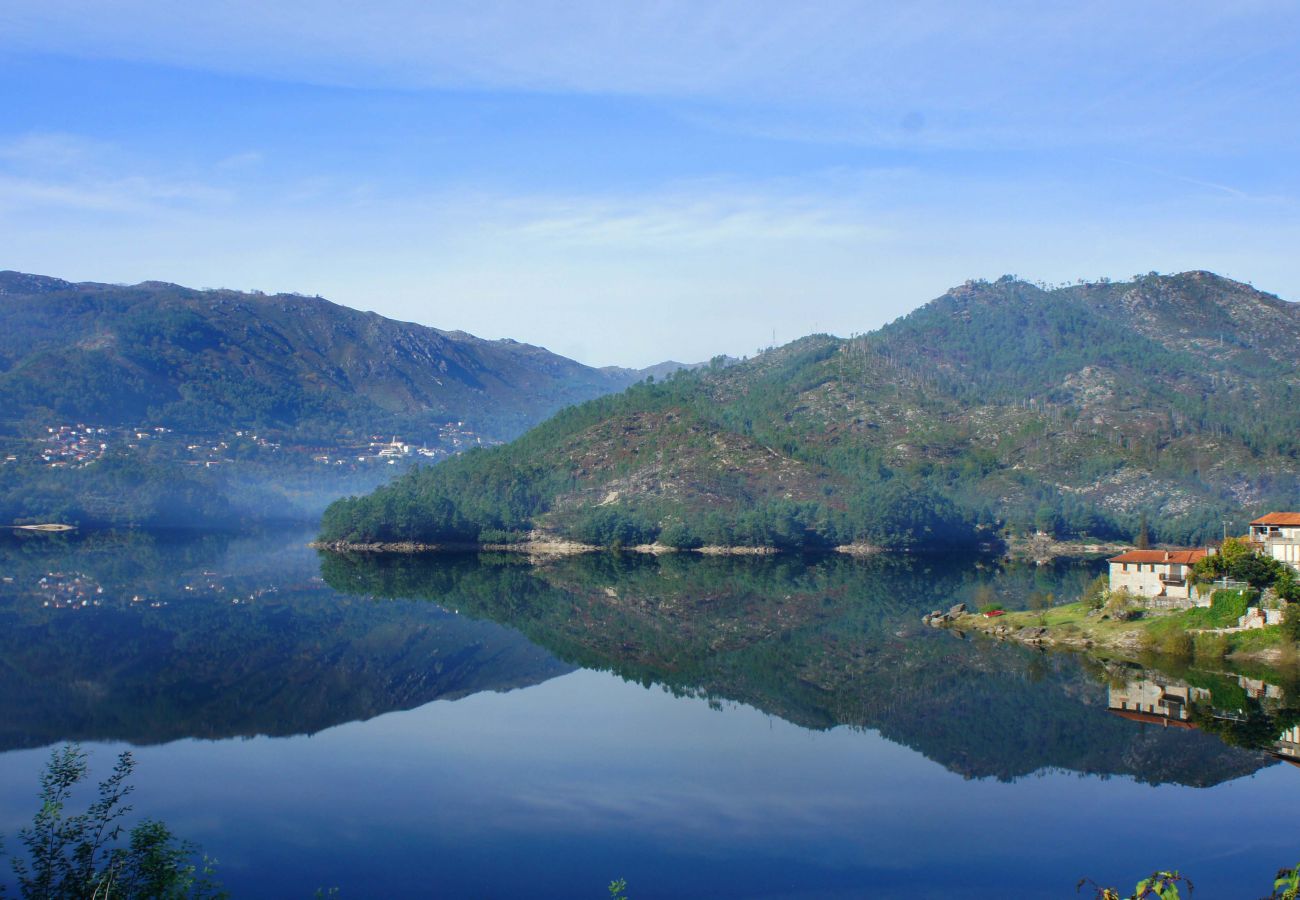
1163	576
1278	535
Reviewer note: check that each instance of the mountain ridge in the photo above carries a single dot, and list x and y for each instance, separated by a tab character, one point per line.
999	405
186	357
160	405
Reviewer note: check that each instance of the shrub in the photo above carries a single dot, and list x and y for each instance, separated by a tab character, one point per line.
1094	596
1226	607
1286	586
1039	601
1177	644
985	596
1211	647
1119	604
77	855
1291	622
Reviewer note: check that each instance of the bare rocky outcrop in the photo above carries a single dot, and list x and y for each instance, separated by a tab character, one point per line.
859	549
538	544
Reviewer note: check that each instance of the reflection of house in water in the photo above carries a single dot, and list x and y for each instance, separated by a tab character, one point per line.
1146	700
1169	703
73	590
1288	745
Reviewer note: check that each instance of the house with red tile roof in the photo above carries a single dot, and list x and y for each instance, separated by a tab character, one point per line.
1278	535
1161	576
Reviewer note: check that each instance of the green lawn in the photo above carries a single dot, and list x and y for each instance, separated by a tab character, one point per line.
1158	629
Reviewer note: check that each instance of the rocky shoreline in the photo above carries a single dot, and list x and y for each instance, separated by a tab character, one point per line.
530	547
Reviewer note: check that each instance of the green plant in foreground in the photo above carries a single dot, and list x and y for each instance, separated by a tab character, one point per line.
618	889
1164	886
76	856
1286	886
1160	885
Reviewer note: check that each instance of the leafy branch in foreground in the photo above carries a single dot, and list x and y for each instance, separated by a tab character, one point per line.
1286	886
1160	885
1164	886
76	856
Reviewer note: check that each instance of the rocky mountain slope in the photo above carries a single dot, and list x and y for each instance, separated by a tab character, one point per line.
159	405
213	360
999	405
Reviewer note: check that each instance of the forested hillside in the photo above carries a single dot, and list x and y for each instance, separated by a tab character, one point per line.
999	406
207	361
159	405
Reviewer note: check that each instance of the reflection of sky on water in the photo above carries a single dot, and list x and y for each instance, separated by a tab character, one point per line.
556	789
552	790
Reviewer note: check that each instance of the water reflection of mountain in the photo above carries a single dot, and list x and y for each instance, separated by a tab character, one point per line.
143	639
830	643
131	637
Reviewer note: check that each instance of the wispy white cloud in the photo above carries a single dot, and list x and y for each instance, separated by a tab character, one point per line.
48	150
1274	198
685	268
130	195
236	161
690	223
51	173
1011	72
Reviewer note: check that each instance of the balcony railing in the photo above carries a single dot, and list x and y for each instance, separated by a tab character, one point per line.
1273	539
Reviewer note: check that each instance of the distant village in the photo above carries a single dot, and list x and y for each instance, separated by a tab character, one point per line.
78	445
78	591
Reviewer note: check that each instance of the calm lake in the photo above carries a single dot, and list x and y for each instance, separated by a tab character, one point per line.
484	727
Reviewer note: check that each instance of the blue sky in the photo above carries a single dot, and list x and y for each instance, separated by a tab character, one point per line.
625	183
